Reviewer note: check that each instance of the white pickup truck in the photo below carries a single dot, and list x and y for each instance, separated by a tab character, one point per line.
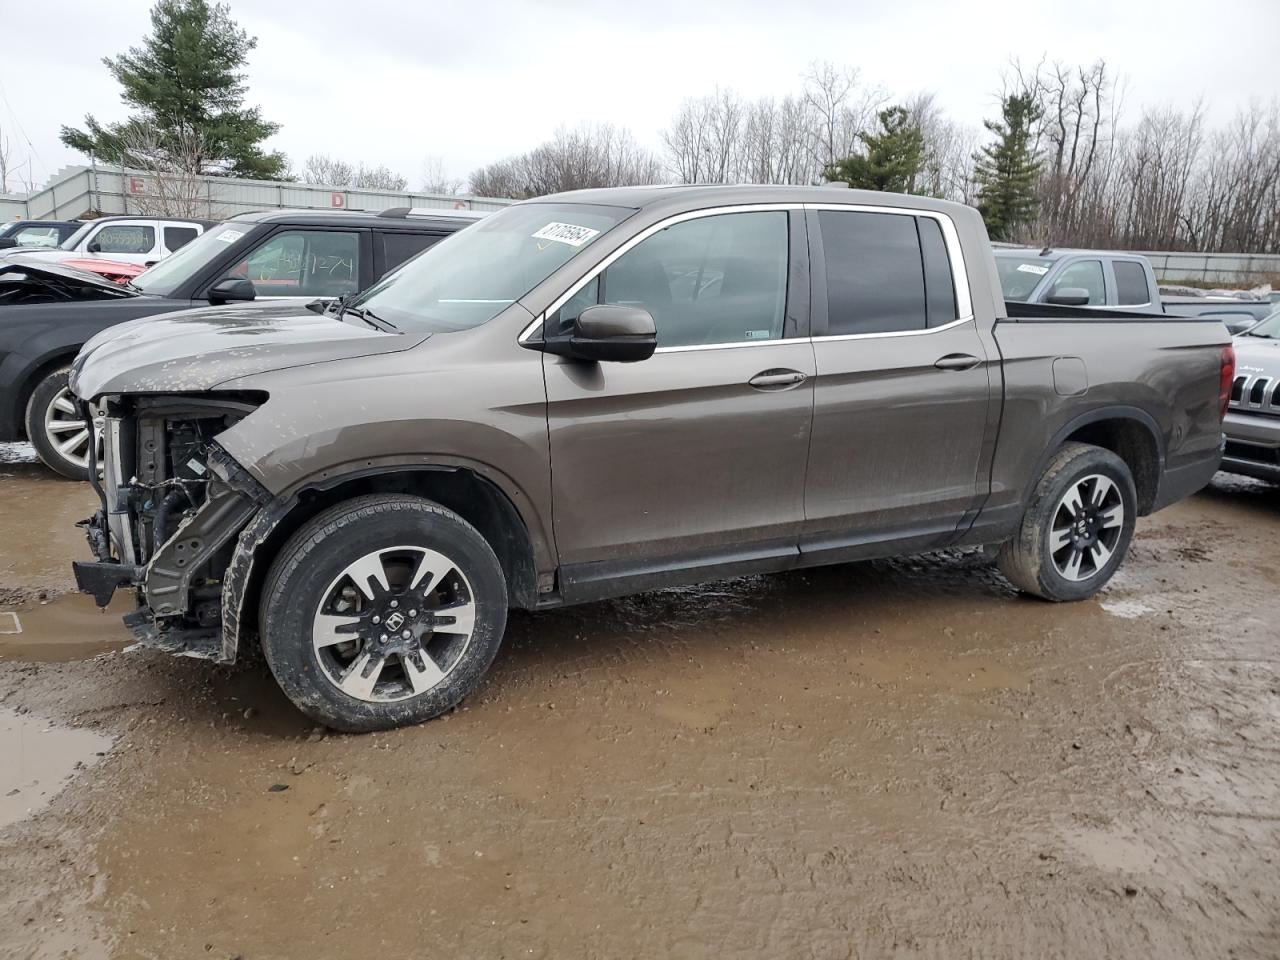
140	240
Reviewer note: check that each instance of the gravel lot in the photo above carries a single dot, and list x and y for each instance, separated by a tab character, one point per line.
882	758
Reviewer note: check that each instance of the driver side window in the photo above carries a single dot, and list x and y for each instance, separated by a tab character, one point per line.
304	263
710	280
1086	275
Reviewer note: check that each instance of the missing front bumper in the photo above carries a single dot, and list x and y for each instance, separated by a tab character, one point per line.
101	579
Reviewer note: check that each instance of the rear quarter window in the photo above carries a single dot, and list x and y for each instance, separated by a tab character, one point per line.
399	247
1131	283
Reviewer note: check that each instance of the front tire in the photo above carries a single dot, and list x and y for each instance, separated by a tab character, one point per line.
56	429
382	611
1077	527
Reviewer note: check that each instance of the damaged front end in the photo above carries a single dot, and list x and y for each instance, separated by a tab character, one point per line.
173	503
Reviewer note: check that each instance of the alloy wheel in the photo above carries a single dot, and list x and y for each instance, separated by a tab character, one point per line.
394	624
66	430
1086	527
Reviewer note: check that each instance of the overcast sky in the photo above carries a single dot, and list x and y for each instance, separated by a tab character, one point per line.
395	82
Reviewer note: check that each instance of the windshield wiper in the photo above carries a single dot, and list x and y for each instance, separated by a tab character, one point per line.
368	317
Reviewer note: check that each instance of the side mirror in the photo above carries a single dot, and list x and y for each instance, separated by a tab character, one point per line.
6	242
609	332
94	247
1068	296
232	289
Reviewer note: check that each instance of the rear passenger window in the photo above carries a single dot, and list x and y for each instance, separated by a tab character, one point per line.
875	274
717	279
175	238
399	247
1131	283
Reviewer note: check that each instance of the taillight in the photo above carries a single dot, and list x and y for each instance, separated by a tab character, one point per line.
1227	376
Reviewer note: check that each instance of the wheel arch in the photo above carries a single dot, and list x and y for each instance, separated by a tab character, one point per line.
465	491
1130	433
31	377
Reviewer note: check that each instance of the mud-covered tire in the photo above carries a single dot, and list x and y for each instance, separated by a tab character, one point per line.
308	574
1028	559
46	393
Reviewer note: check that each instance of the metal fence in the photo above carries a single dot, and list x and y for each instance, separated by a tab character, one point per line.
75	191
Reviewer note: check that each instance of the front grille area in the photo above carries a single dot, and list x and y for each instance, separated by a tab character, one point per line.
1257	393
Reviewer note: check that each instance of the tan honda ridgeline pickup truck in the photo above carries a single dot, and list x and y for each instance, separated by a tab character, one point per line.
608	391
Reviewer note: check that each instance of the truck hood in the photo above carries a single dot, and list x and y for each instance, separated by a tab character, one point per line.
1257	355
196	350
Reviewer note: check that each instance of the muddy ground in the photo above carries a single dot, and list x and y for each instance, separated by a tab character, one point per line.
897	758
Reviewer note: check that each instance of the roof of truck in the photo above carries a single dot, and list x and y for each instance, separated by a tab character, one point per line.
1057	253
698	195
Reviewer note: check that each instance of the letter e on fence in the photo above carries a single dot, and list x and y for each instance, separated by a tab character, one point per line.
137	185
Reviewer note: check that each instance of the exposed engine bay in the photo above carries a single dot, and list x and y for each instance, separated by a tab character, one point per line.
173	501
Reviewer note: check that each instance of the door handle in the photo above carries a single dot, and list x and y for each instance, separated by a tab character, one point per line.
775	379
957	361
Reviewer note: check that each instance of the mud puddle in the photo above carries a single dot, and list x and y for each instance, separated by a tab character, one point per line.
882	759
38	759
70	627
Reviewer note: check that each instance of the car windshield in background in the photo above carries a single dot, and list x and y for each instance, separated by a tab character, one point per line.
474	275
1268	328
174	270
75	238
1019	275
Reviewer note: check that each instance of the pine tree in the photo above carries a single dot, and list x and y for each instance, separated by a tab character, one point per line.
187	84
893	160
1007	169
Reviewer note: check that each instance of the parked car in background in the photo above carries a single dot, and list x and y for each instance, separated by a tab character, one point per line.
37	233
1252	425
302	255
608	391
141	240
1111	280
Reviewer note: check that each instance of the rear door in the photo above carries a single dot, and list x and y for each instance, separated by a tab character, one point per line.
696	456
903	402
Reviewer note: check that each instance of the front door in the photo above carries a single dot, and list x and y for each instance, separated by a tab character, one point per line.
665	468
903	401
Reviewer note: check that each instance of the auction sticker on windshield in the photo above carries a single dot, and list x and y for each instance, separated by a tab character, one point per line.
569	233
230	236
1033	268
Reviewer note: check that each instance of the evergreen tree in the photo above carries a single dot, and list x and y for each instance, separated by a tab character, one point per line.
187	84
893	160
1007	169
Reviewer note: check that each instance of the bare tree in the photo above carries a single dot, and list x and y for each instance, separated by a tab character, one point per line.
436	180
323	169
588	156
949	148
172	164
5	155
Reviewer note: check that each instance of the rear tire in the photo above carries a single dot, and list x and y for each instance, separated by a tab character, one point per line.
382	611
55	429
1077	527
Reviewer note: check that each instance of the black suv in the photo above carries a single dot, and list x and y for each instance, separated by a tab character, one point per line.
49	312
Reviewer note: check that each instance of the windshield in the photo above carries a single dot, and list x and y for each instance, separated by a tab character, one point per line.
475	274
177	268
1268	328
1019	275
71	241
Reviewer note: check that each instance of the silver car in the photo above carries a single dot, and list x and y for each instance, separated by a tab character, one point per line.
1252	424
